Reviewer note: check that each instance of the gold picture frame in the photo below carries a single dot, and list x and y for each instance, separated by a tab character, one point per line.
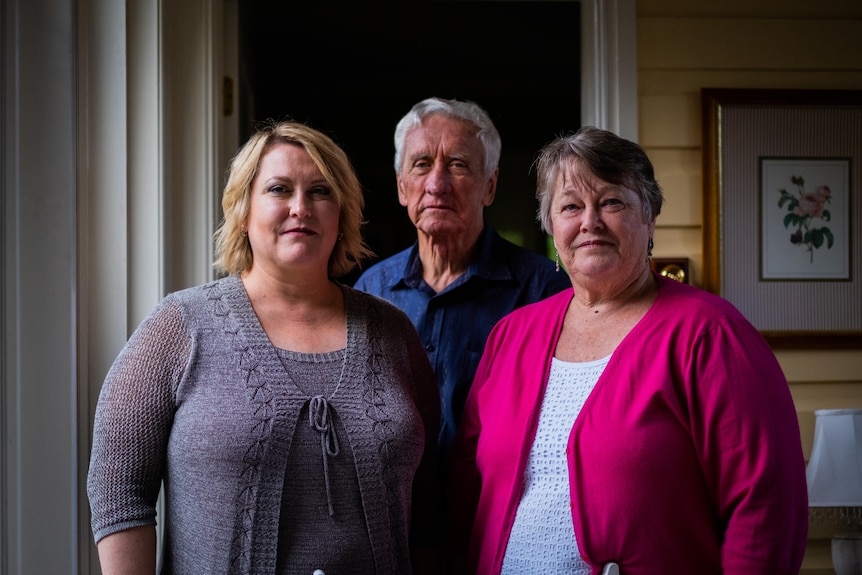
745	133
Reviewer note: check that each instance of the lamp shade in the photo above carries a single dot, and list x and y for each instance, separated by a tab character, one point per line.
834	471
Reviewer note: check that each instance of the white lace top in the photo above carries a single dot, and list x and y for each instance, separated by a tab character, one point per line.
543	538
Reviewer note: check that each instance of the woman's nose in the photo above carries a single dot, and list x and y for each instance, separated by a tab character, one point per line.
591	218
300	205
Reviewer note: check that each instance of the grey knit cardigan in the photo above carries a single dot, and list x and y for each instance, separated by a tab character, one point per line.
199	399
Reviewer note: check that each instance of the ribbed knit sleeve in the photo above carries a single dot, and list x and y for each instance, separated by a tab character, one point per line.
133	421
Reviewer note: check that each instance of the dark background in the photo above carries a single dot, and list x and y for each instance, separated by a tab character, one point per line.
353	70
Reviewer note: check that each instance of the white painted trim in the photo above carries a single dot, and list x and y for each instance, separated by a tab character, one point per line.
39	484
101	183
191	76
146	204
609	66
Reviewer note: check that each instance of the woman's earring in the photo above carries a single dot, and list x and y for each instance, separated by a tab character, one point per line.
649	250
340	236
557	258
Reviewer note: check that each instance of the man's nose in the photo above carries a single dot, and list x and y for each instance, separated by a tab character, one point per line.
438	181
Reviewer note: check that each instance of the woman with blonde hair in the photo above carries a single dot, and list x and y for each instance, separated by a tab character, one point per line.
290	419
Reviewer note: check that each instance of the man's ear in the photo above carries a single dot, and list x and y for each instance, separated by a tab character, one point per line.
491	188
402	195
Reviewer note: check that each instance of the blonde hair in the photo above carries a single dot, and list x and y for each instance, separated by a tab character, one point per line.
233	251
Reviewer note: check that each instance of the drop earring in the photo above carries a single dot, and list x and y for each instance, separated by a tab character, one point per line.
649	250
557	259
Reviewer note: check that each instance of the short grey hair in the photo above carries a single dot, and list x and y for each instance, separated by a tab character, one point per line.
609	157
464	110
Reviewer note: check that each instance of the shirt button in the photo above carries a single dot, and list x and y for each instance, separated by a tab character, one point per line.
318	572
429	347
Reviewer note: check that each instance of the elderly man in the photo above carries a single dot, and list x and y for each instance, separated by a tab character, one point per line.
459	277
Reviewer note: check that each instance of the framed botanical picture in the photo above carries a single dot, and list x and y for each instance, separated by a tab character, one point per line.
783	211
805	219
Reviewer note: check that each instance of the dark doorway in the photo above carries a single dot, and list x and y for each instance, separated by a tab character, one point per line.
352	70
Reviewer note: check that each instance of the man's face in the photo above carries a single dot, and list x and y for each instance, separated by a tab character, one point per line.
443	183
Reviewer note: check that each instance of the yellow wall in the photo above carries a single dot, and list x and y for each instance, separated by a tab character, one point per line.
686	45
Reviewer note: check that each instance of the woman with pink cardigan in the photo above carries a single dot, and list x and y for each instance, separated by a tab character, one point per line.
632	422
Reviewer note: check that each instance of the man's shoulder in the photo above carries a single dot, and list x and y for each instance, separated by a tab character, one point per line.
530	266
530	257
377	308
383	273
524	256
363	299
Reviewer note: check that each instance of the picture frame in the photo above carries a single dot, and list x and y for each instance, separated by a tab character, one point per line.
782	211
800	224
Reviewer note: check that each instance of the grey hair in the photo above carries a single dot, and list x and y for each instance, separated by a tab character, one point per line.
459	109
608	157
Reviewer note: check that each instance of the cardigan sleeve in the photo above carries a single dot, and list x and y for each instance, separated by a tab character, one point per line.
749	440
132	423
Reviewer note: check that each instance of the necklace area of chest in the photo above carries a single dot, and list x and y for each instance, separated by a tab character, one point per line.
315	374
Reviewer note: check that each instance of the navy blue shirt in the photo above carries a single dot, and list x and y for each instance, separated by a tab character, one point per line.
454	324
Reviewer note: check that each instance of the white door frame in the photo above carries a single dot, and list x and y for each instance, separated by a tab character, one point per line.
112	153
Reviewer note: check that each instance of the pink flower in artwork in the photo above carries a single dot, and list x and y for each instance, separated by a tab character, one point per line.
803	208
809	205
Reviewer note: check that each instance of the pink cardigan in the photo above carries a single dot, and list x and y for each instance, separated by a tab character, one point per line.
686	457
